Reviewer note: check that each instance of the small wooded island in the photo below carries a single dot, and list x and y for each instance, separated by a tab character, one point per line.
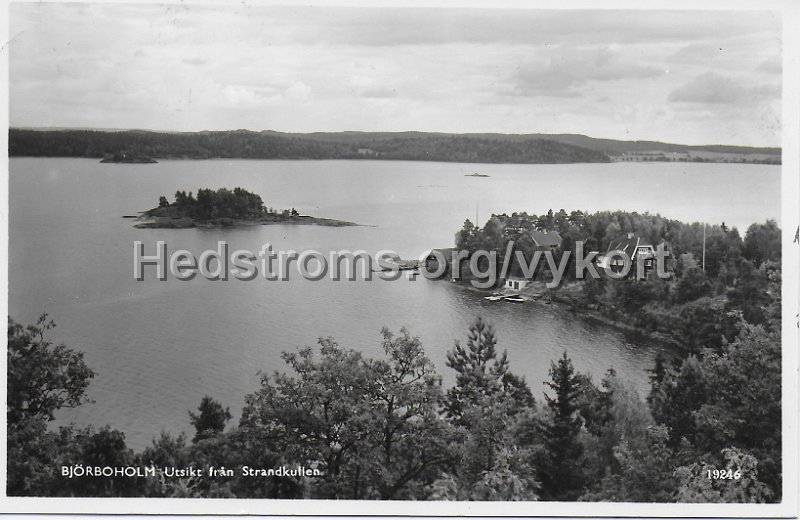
127	158
223	207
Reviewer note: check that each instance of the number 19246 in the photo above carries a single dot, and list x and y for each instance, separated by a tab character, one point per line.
724	474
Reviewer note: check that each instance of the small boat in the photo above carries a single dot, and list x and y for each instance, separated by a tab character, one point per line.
494	297
515	299
476	174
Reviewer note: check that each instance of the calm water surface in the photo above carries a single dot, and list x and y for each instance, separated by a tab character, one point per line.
158	347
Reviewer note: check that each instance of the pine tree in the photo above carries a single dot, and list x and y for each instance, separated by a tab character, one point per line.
478	369
211	420
684	393
487	402
481	372
560	468
658	374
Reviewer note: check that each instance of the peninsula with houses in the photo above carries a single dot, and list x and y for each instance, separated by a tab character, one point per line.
223	207
715	273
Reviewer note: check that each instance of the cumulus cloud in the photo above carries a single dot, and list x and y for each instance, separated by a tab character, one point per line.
565	71
713	88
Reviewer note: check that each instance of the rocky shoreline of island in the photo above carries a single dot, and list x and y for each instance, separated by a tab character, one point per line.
147	220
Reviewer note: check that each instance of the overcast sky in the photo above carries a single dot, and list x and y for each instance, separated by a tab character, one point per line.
690	77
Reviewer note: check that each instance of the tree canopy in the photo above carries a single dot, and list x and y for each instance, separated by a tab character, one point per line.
385	427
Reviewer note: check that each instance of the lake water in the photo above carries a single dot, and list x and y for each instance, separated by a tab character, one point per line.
158	347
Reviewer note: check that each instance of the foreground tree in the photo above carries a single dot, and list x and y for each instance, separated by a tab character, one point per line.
491	406
629	460
762	242
43	378
406	396
742	408
742	487
681	394
211	420
480	372
642	470
371	426
560	467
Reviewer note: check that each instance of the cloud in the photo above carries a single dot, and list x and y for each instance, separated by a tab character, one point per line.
380	92
566	71
194	61
715	89
388	27
771	65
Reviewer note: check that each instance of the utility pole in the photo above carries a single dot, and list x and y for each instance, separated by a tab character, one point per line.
704	246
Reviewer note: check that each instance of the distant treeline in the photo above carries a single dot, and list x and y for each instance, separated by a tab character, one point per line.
606	146
245	144
427	146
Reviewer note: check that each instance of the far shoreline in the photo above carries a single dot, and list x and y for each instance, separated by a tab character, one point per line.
160	160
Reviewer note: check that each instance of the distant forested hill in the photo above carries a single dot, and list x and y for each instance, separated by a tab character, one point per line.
606	146
414	146
273	145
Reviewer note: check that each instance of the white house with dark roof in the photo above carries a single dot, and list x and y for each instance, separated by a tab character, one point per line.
542	241
516	283
635	247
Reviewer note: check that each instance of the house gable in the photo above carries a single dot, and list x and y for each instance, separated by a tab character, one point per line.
545	239
633	246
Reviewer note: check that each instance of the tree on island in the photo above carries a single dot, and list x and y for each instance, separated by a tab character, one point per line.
213	204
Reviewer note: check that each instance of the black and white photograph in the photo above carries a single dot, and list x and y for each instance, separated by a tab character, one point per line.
393	258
